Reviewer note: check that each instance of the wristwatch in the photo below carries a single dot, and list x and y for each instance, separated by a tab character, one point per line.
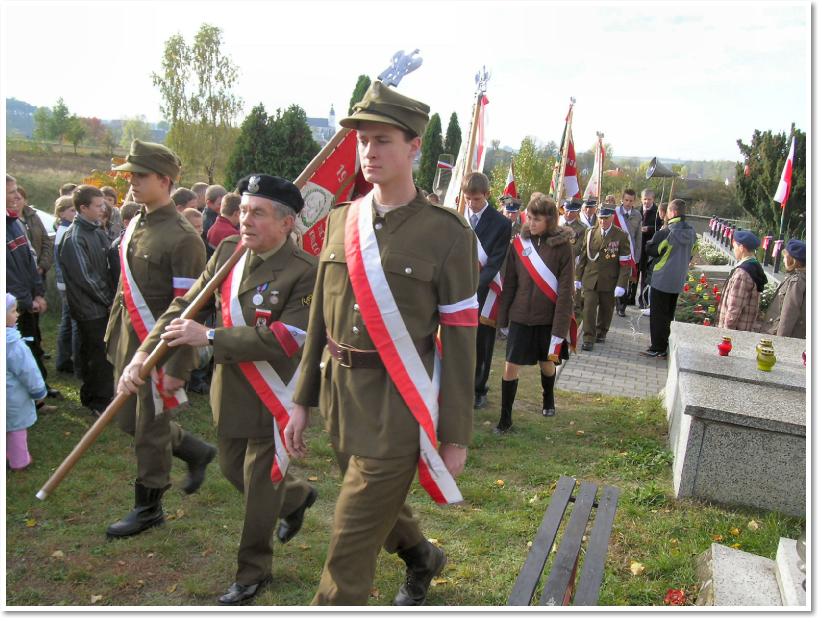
210	336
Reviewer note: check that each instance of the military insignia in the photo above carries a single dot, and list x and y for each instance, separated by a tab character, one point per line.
274	298
253	183
306	300
262	317
257	299
526	252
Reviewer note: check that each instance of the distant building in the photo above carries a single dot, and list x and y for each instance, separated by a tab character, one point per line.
322	129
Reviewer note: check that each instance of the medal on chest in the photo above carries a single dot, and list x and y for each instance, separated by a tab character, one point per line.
257	298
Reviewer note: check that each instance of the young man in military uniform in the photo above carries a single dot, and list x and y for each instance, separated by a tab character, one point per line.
602	275
427	262
273	295
161	255
571	220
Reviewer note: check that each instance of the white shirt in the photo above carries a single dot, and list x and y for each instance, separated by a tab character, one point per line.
478	214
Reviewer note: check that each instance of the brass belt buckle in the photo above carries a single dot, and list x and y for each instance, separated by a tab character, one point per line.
345	355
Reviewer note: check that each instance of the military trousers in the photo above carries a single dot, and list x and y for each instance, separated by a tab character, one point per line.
370	513
598	309
486	336
246	463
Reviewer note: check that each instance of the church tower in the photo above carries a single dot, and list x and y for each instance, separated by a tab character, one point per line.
332	119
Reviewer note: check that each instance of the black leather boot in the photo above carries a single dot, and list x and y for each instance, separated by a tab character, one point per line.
423	562
290	525
548	408
147	513
508	393
197	454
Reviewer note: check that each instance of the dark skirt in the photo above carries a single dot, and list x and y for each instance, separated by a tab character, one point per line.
527	345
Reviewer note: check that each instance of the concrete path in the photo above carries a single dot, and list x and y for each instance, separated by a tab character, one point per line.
616	366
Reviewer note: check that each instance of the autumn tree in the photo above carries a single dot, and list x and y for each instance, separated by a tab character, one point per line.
134	128
196	85
75	133
363	82
431	149
533	171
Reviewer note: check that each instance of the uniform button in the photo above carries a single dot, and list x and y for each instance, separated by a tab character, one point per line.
322	365
408	270
356	307
332	255
378	226
355	330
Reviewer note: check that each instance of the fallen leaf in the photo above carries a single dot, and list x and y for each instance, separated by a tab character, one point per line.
674	541
637	568
554	548
500	483
717	538
486	423
305	547
736	545
172	589
375	593
207	552
734	531
150	555
585	538
312	478
96	598
121	563
433	541
753	525
533	499
140	583
31	522
529	545
440	581
623	453
572	423
674	597
580	432
66	433
180	513
58	554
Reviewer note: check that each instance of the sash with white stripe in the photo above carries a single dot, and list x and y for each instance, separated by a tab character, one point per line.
396	347
261	375
143	321
547	283
488	314
619	221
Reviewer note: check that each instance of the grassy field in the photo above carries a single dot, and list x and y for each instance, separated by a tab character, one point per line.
57	553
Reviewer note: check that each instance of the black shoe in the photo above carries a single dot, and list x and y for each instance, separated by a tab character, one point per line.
621	312
66	368
549	412
548	406
197	454
46	356
654	354
587	346
290	525
238	593
147	513
600	339
423	563
53	393
501	431
202	388
480	401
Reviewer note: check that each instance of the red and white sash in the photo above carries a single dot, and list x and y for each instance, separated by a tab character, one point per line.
143	321
619	221
402	361
275	394
547	283
488	313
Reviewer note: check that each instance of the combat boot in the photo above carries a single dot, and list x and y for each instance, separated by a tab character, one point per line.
548	407
507	395
147	513
423	562
197	454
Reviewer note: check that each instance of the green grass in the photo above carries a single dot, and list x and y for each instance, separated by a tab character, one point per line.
507	485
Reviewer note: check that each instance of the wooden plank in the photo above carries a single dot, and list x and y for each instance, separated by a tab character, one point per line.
590	579
534	564
568	552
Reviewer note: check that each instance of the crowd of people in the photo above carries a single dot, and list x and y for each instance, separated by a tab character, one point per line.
351	331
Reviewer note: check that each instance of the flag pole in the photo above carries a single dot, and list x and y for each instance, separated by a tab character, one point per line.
778	260
560	187
468	162
601	147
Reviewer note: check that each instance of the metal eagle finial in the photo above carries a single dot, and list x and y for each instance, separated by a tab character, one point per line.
401	65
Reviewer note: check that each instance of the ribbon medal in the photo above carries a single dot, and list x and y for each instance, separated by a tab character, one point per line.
262	317
257	299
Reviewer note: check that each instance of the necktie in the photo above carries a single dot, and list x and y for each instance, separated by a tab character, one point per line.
254	263
473	218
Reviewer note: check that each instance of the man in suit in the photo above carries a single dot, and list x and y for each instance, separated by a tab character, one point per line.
651	223
261	319
493	233
602	275
631	219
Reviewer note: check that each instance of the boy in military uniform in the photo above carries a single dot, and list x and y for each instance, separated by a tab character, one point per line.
273	293
602	275
571	220
422	265
161	255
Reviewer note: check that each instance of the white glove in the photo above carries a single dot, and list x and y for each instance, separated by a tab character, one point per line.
619	292
578	284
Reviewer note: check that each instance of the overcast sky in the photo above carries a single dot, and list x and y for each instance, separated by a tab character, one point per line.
675	80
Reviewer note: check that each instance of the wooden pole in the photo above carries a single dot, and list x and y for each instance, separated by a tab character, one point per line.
318	159
468	163
564	159
601	166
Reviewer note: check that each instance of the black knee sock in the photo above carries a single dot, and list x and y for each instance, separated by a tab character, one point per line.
509	392
548	390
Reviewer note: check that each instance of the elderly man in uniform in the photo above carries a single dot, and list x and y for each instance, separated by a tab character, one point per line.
161	255
571	219
263	308
588	216
602	275
394	270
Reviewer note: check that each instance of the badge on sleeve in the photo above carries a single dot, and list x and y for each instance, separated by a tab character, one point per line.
262	317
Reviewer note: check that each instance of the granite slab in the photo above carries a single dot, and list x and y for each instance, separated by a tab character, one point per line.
788	575
739	367
732	578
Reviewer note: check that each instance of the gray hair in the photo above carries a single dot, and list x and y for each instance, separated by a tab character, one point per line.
648	193
215	193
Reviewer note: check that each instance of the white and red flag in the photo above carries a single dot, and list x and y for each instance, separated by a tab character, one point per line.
592	190
783	191
339	178
482	127
510	183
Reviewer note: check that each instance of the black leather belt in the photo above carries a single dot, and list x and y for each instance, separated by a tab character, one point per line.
355	358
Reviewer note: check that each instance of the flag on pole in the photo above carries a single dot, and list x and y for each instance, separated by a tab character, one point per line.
783	191
339	178
571	181
445	165
482	126
593	189
510	183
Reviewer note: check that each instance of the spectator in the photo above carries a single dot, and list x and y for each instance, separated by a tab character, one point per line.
183	199
673	247
651	223
113	218
785	316
195	219
24	385
630	220
67	188
199	189
68	337
610	199
37	234
23	279
227	223
213	200
740	296
90	292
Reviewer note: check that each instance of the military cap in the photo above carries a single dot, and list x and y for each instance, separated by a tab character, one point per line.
590	203
746	239
513	206
796	249
572	205
146	157
606	209
273	188
382	104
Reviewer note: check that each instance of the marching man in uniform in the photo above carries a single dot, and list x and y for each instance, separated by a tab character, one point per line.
571	219
602	275
394	270
160	256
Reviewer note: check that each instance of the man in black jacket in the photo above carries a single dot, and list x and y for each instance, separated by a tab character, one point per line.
651	223
89	292
493	231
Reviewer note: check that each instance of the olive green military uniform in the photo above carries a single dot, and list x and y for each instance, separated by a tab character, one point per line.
601	273
429	256
578	243
164	246
244	424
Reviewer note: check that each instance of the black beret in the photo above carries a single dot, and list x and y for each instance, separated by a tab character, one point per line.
796	249
747	239
273	188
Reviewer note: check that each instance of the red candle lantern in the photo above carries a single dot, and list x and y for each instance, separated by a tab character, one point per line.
715	290
687	288
725	346
706	322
